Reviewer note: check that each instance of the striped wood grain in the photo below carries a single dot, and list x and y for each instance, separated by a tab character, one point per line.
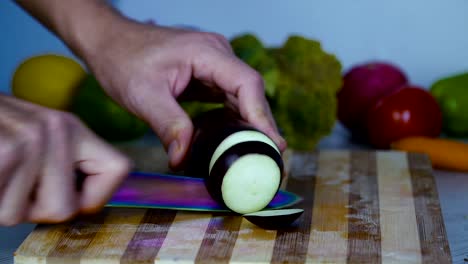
359	207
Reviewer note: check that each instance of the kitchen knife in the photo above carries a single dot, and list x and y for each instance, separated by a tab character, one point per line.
164	191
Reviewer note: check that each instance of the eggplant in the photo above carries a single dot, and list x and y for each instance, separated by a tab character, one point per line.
241	166
274	219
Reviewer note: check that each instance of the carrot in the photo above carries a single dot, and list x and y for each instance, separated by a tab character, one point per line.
444	153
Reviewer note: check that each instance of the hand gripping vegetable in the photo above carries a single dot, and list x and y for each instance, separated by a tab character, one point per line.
242	167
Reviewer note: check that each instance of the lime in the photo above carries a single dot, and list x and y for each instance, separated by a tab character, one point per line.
49	80
103	115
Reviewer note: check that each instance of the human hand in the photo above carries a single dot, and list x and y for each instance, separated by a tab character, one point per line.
40	150
146	68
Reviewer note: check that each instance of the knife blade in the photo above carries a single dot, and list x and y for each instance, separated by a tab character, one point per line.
166	191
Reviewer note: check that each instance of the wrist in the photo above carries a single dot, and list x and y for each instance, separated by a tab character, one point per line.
83	25
88	33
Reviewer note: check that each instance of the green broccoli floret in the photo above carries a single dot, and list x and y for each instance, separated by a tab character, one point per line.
304	115
306	62
270	72
301	82
305	102
248	48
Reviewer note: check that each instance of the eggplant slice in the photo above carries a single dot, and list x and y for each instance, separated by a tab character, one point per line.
274	219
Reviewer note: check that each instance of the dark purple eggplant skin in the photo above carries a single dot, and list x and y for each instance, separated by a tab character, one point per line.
210	129
215	179
274	222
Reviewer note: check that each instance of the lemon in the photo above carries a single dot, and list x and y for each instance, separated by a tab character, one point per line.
103	115
49	80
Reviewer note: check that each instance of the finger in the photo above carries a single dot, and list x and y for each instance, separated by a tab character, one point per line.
202	92
15	201
223	43
105	168
238	79
9	158
56	198
172	125
232	102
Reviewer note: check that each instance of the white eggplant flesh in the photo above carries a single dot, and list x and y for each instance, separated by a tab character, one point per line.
250	183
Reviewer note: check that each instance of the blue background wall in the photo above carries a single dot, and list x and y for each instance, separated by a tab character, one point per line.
427	38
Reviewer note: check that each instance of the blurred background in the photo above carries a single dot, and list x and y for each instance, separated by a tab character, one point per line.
427	38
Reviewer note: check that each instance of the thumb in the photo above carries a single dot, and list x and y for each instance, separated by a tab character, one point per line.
105	169
174	128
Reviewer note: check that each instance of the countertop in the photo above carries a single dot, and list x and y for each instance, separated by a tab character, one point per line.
452	188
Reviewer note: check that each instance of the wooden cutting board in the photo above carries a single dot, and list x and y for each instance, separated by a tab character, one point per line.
360	207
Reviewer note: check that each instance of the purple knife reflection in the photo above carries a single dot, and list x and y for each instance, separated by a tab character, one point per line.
150	190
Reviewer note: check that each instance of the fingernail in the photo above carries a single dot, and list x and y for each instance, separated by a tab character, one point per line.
281	142
174	147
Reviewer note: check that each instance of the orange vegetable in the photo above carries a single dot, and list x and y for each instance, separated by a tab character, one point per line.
444	153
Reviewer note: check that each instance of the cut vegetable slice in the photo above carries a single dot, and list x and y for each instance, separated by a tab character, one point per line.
250	183
246	176
274	219
240	137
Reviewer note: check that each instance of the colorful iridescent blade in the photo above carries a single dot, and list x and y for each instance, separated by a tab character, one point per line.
177	192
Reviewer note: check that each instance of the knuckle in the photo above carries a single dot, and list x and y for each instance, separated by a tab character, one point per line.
32	134
218	37
69	118
255	79
8	149
205	36
56	121
121	167
210	38
60	124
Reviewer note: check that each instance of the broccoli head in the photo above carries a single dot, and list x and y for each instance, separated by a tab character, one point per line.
248	48
268	68
306	62
304	115
305	102
301	82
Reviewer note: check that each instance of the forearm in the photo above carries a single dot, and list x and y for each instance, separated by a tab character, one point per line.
82	24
